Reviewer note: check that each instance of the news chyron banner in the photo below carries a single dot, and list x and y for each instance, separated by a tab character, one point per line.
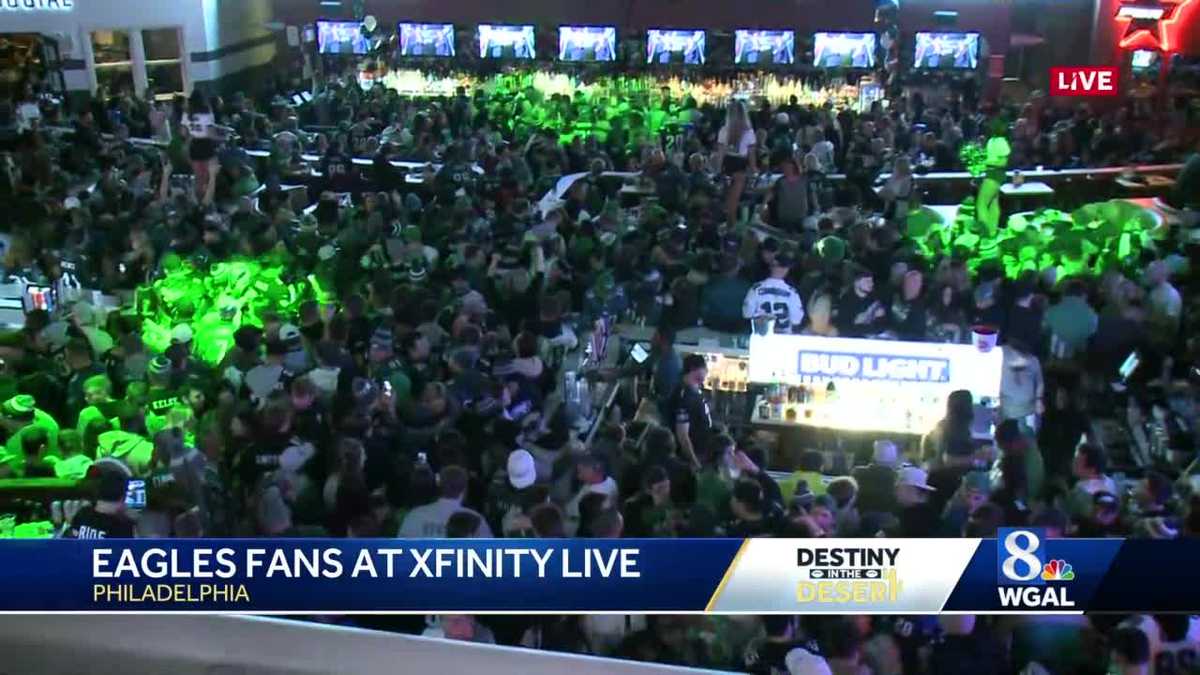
1019	571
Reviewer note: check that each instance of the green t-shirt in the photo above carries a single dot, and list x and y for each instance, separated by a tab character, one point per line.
712	491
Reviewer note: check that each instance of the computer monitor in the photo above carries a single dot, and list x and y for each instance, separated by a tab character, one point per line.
505	42
426	39
946	51
844	50
587	43
667	46
764	47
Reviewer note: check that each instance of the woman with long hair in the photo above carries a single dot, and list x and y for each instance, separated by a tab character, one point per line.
736	147
202	146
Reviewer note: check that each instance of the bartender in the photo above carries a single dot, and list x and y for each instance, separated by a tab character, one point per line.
688	410
663	365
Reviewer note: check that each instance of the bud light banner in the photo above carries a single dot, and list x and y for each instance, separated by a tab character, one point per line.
808	359
1021	571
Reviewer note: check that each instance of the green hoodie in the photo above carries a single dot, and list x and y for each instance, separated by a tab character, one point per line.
14	449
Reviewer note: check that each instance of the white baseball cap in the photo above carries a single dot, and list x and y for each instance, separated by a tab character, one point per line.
521	471
916	477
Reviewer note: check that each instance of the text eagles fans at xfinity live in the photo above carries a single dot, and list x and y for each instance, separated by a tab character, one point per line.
397	355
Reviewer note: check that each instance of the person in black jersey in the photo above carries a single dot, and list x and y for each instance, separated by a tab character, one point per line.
689	409
337	168
106	518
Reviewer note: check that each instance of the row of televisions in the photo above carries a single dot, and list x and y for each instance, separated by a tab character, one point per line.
759	48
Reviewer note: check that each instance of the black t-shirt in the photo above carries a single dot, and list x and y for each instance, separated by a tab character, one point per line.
853	318
336	167
876	487
688	406
908	319
261	456
450	178
91	524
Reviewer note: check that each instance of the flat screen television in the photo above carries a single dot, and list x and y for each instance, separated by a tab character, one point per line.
844	50
505	42
341	37
946	51
1143	61
764	47
666	46
426	39
587	43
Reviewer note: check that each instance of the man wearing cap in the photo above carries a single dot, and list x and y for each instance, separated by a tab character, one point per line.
774	297
860	313
383	366
973	492
20	417
877	480
512	493
917	515
295	356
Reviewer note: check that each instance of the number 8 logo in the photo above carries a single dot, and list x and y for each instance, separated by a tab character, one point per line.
1024	554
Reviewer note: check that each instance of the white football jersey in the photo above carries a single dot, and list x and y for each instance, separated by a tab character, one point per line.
776	298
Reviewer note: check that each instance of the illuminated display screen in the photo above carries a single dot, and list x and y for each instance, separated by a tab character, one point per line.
764	47
426	39
341	37
947	51
587	43
675	46
844	50
506	42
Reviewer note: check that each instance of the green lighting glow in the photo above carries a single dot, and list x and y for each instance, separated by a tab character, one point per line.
974	158
1090	240
216	300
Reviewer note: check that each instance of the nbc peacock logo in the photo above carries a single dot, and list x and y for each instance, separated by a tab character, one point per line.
1058	570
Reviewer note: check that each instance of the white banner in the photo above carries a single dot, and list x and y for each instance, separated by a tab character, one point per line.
843	576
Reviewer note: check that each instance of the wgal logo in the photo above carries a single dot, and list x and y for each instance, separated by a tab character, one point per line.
1026	576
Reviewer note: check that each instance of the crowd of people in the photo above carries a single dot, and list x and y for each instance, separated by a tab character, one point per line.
421	394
